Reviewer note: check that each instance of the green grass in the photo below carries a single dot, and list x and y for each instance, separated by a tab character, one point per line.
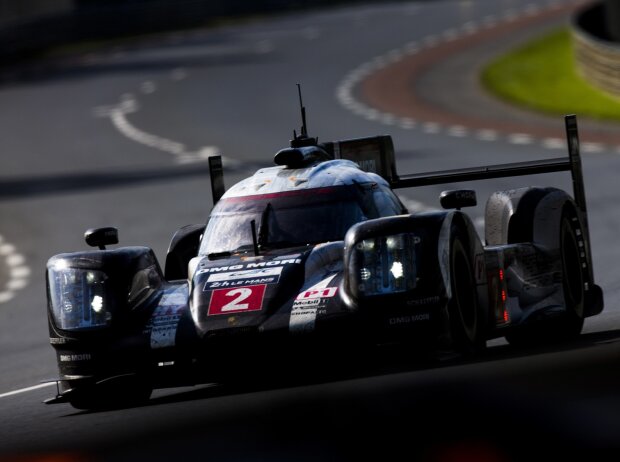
541	75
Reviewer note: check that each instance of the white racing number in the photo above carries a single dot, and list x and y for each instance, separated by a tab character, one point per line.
242	294
237	300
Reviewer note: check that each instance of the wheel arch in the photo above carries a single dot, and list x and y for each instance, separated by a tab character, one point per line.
531	214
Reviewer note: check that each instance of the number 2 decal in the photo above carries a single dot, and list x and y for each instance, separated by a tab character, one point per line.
237	300
241	294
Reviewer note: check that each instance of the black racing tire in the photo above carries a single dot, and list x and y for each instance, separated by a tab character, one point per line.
569	325
573	280
465	318
97	397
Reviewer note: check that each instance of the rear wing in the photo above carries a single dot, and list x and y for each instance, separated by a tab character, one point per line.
570	163
376	154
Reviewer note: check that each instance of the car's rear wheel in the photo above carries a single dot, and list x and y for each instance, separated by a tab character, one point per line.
569	324
571	245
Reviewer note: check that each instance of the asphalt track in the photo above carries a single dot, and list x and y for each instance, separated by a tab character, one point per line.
118	136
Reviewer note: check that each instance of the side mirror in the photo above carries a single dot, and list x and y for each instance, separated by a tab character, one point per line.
100	237
458	198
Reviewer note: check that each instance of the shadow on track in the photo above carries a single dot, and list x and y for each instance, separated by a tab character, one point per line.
584	341
586	357
552	401
87	181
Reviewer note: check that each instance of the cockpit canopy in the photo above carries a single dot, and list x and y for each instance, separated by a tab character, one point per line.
295	218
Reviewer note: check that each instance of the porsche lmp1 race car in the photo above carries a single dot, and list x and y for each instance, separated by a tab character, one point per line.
315	257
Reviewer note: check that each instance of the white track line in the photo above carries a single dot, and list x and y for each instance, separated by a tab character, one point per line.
25	390
129	104
17	269
345	91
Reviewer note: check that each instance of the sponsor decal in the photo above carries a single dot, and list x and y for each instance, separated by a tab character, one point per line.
424	301
237	300
252	265
409	319
80	357
308	304
58	340
302	318
175	297
163	325
326	292
218	269
246	277
305	303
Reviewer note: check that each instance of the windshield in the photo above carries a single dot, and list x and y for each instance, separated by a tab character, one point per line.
286	219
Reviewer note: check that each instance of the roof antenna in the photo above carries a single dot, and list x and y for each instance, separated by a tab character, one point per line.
303	139
304	126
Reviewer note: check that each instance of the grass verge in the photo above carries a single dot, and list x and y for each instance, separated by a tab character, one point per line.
541	75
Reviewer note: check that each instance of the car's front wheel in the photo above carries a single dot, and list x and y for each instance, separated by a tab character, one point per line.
466	323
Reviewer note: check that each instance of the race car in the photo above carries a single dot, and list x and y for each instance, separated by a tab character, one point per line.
317	257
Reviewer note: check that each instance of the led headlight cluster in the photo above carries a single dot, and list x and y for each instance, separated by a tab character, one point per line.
386	264
78	297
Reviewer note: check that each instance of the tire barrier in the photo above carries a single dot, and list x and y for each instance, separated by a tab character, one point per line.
597	57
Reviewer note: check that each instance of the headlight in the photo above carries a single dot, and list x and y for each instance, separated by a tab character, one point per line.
78	297
386	264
